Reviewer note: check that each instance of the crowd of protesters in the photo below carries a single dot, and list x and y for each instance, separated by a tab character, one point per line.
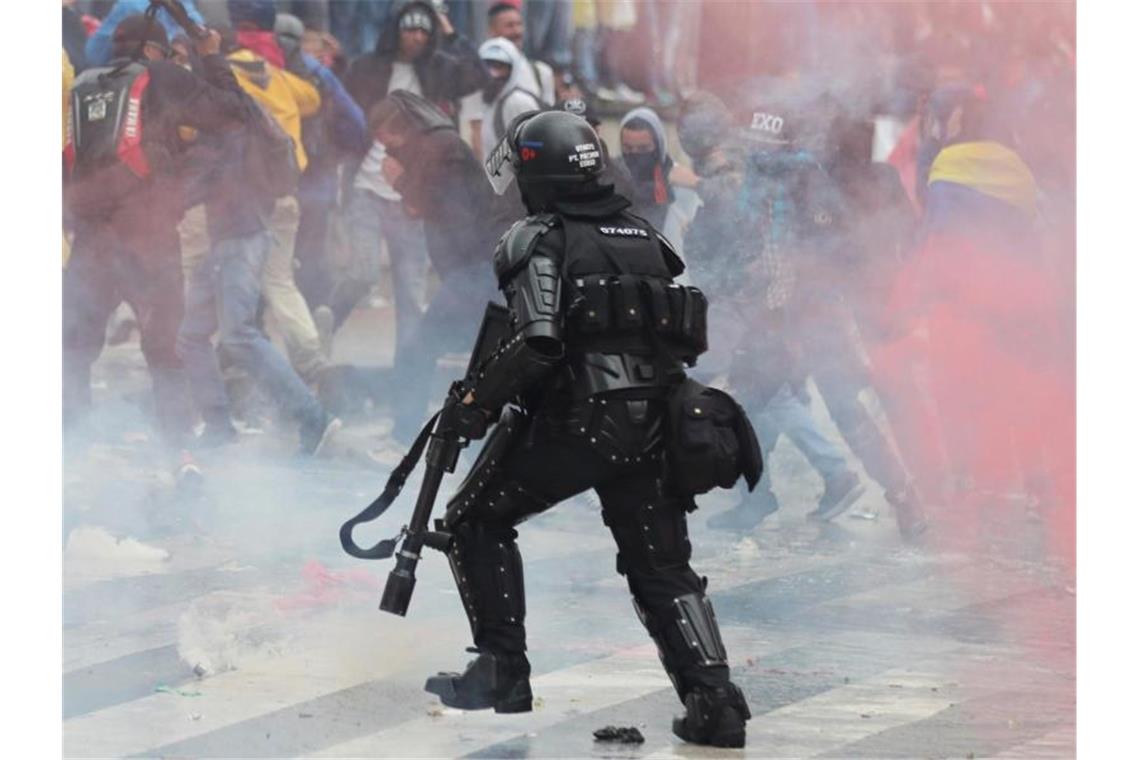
877	199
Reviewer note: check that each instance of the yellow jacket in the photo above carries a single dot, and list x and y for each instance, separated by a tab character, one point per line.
286	97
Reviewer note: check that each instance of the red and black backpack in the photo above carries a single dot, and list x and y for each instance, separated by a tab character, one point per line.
105	122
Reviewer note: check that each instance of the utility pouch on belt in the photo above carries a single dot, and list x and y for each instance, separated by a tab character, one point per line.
628	304
711	443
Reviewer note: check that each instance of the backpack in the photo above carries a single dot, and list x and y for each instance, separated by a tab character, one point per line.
105	122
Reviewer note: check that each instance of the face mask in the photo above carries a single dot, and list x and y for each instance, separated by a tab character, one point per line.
492	90
641	165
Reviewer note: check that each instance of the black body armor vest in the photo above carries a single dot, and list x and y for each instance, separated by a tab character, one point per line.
627	324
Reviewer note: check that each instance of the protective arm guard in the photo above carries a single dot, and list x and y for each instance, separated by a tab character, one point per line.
534	293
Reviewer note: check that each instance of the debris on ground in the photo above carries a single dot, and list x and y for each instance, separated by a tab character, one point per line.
620	734
164	689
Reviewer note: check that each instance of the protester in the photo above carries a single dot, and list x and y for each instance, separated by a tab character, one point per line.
743	248
663	191
511	91
100	44
226	287
421	53
505	19
332	135
124	197
442	183
259	66
989	304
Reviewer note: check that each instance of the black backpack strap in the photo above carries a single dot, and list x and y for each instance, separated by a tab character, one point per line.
379	506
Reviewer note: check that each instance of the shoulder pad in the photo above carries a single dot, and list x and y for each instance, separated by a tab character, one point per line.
517	244
672	258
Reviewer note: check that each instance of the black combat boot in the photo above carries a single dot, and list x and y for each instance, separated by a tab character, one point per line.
713	716
501	681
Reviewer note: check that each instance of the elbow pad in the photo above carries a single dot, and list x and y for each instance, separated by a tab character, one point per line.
536	345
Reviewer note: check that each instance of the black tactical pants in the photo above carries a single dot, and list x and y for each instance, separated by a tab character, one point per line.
648	526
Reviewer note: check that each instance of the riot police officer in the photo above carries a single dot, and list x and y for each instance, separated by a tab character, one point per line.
600	336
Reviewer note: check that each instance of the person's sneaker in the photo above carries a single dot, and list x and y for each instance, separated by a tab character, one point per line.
314	438
326	327
714	717
746	515
606	93
838	495
627	94
501	681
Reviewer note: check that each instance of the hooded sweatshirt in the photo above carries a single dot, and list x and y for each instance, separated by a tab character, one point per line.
652	193
519	94
445	185
447	70
286	97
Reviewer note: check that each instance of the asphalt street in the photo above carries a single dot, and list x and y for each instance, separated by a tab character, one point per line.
225	621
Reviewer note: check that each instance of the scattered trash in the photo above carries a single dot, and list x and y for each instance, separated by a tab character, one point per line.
846	679
195	716
622	735
304	715
894	686
435	712
864	715
164	689
538	703
199	671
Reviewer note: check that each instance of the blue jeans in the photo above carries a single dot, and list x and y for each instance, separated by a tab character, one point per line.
548	32
222	295
450	325
788	413
371	221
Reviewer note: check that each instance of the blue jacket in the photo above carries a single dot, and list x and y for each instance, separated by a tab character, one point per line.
348	128
98	48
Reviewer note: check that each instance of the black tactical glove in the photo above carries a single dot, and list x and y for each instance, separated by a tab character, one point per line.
469	421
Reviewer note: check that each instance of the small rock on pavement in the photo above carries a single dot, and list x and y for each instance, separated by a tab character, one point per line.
623	735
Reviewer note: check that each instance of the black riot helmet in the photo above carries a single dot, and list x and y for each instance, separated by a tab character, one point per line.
556	155
556	147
